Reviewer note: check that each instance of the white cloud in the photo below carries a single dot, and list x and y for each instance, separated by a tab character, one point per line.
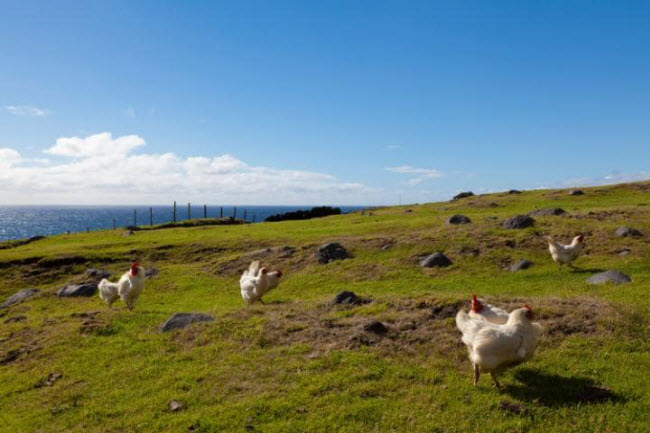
609	179
97	144
26	110
100	169
418	175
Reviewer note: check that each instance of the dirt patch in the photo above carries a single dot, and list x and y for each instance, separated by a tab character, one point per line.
93	324
377	243
616	214
407	326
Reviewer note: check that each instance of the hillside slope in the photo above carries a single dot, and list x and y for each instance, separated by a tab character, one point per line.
300	363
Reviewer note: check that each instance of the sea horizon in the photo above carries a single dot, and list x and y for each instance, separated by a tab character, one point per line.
25	221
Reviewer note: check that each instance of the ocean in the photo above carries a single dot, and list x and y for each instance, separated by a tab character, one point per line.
17	222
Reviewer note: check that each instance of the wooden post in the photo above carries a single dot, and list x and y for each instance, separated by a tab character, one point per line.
254	217
135	219
174	211
205	211
244	214
234	213
151	216
189	212
87	229
221	212
114	224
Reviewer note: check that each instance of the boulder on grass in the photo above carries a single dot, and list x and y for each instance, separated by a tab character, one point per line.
183	320
628	231
75	290
331	252
458	219
463	195
519	222
19	297
550	211
520	265
614	277
349	298
436	259
576	192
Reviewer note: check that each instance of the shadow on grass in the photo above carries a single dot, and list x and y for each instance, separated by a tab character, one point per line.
587	271
553	390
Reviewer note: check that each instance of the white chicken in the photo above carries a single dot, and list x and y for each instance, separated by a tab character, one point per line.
493	348
565	254
131	284
254	286
487	312
108	292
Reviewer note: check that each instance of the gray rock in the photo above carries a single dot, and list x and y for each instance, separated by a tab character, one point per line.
74	290
19	297
627	231
458	219
624	252
550	211
521	265
349	298
183	320
330	252
175	406
614	277
376	327
463	195
514	191
150	272
436	259
97	274
519	222
576	192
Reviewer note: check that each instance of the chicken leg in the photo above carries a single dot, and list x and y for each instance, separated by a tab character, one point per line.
477	374
496	381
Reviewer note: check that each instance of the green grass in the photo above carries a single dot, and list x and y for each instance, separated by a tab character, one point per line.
293	364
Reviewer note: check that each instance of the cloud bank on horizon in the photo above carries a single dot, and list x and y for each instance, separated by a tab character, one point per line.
100	169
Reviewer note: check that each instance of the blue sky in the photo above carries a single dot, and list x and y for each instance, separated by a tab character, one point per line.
318	102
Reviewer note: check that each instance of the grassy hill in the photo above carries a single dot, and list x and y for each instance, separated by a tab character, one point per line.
299	363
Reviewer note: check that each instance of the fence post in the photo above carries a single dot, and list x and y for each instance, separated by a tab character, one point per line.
174	211
114	224
234	213
135	219
189	212
221	212
254	217
151	216
87	229
244	214
205	211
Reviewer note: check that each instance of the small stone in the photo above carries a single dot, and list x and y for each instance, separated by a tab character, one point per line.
376	327
436	259
183	320
74	290
518	222
331	252
576	192
627	231
150	272
347	297
624	252
521	265
614	277
49	381
97	274
175	406
386	247
551	211
20	296
463	195
458	219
